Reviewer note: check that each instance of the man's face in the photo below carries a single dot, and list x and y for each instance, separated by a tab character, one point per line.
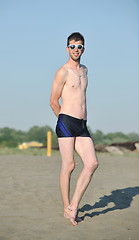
75	53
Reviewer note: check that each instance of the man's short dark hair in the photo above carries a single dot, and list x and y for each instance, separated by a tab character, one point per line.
75	36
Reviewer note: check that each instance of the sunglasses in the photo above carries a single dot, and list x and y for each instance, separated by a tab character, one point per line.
72	46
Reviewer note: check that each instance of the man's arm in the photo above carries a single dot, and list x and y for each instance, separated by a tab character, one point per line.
57	87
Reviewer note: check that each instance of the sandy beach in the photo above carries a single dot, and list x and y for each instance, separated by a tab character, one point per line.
31	206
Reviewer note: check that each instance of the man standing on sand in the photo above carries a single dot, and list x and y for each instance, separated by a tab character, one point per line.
70	83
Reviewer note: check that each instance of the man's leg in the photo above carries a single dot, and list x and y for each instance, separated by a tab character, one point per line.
85	148
66	147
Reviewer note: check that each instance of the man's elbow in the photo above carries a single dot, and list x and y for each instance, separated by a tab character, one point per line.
51	103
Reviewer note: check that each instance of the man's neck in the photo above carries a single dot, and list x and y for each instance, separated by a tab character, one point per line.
73	64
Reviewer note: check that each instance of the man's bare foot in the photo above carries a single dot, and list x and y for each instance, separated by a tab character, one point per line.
71	213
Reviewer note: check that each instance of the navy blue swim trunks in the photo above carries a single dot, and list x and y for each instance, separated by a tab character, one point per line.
68	126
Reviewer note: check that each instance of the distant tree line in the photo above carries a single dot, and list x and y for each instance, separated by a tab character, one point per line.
10	137
118	137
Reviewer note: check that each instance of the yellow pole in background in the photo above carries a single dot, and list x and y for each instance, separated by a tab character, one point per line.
49	143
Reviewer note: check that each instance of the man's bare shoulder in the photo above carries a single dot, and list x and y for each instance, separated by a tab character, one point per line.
84	67
62	71
60	76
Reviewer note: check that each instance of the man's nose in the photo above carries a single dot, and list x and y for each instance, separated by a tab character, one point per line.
76	48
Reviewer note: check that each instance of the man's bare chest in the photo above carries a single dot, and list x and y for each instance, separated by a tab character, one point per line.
76	80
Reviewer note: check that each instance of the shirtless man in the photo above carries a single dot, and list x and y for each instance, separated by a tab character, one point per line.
70	83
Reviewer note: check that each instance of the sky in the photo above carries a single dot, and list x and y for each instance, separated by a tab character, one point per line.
33	35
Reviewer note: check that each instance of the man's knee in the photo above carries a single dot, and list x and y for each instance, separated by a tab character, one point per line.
68	168
71	166
92	167
95	165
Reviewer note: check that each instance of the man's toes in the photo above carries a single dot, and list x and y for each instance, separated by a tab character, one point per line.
74	223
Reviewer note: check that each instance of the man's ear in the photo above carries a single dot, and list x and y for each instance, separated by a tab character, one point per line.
83	50
67	49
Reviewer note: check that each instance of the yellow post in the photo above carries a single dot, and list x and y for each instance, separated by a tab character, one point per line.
49	143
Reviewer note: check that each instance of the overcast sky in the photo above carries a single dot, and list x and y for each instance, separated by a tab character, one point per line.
33	46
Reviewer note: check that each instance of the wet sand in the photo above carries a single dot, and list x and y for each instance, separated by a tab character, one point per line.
31	207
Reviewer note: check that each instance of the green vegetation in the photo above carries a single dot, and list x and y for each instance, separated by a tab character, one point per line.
11	138
100	138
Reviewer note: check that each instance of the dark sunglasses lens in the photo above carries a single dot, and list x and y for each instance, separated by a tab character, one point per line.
72	46
80	47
